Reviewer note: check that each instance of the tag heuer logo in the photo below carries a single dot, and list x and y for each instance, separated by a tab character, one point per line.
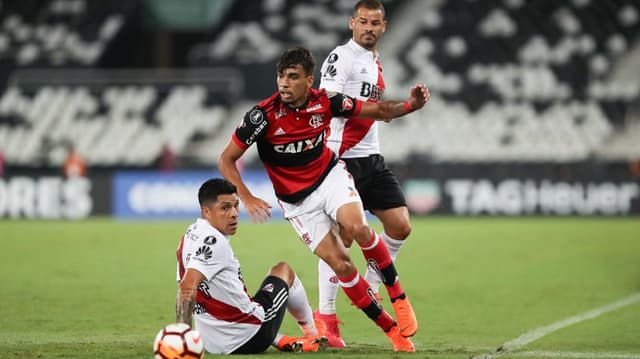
205	252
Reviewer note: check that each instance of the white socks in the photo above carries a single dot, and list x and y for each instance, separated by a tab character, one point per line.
299	307
373	277
328	288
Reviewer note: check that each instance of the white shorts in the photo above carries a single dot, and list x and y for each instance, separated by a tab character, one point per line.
314	216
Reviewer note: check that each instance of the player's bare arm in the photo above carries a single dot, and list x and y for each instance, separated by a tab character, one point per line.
186	300
259	210
387	110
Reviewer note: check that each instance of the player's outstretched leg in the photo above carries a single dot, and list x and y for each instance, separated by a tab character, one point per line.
377	256
358	290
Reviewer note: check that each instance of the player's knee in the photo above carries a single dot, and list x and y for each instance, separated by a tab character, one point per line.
359	231
283	271
399	231
343	267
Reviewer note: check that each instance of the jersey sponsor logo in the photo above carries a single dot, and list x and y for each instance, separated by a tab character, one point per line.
315	121
255	133
331	71
347	104
210	240
317	106
333	57
199	308
203	287
204	253
370	91
255	117
300	146
191	235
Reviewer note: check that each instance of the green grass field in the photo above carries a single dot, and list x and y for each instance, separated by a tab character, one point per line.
102	288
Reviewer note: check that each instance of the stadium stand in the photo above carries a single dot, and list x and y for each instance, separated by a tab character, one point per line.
59	32
522	81
121	120
511	80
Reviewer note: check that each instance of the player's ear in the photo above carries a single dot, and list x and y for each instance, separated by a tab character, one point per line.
352	21
205	212
310	80
384	25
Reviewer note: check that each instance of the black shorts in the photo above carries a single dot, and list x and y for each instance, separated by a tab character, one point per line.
272	295
378	186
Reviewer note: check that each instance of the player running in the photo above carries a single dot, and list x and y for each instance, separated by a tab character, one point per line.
354	69
313	187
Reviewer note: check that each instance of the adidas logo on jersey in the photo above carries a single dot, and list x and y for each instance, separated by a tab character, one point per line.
279	132
363	71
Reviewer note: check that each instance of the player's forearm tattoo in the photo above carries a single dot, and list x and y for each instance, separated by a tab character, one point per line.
184	309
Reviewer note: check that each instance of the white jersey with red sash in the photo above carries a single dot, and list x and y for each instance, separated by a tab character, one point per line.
224	310
354	71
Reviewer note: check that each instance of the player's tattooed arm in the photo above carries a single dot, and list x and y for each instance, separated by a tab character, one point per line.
184	309
186	300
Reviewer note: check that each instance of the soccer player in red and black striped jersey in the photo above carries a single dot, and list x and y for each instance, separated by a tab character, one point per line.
314	189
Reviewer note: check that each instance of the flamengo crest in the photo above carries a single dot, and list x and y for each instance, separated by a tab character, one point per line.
315	121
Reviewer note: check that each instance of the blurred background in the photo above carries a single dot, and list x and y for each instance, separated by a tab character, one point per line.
121	107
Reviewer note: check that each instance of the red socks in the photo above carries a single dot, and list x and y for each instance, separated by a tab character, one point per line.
361	295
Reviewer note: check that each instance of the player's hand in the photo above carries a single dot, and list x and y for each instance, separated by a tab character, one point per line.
259	210
419	95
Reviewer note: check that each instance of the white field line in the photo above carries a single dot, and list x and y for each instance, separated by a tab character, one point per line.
540	332
576	355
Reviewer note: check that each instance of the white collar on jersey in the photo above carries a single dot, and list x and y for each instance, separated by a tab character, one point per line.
205	223
352	44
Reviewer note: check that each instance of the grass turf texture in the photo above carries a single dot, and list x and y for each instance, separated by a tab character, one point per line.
102	289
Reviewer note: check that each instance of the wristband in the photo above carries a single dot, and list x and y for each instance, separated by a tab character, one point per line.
407	107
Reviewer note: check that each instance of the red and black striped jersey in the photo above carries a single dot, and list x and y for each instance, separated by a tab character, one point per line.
292	141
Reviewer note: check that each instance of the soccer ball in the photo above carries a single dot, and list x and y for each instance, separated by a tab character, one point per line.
178	341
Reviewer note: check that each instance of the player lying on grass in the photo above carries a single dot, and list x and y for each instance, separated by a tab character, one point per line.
212	291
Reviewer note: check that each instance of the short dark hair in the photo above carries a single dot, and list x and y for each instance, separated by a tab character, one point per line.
369	4
212	188
296	56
